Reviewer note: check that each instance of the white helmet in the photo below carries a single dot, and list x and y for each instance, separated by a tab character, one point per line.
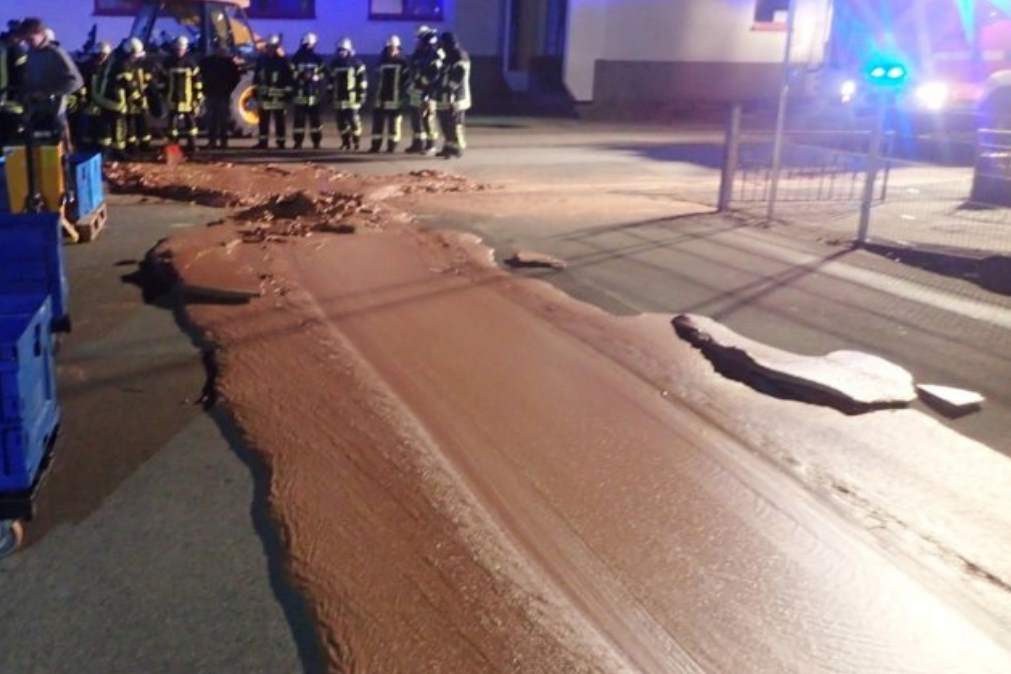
393	41
182	43
422	31
133	46
345	44
310	40
274	40
103	48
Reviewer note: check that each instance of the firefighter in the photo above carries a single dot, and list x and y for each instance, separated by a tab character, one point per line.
350	82
109	91
425	67
310	85
453	96
183	90
138	80
85	124
12	70
274	81
387	116
221	75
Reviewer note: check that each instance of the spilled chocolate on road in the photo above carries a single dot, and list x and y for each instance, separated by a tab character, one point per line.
474	473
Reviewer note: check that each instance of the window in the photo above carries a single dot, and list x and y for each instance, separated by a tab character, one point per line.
282	9
771	11
406	10
116	7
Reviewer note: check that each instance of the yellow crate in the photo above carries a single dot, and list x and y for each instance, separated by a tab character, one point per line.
50	180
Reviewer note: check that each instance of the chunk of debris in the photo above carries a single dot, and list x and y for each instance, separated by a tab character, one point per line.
850	381
950	400
526	258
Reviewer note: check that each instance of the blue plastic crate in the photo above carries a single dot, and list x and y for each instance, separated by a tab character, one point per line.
87	176
27	369
31	260
5	206
29	409
23	447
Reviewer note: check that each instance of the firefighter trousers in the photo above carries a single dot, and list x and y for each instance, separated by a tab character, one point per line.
112	131
453	124
280	126
423	126
183	127
219	113
310	114
386	123
138	131
349	125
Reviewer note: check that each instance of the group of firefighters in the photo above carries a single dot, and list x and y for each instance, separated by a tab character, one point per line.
116	91
432	86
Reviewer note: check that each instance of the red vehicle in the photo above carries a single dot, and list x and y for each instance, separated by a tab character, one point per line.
936	55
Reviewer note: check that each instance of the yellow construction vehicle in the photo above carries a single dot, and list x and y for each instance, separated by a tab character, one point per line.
209	24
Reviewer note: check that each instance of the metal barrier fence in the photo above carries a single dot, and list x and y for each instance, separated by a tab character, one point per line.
836	183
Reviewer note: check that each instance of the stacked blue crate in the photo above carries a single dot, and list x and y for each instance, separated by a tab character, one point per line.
29	410
31	260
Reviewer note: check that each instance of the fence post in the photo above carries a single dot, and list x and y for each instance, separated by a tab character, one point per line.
873	159
731	152
784	97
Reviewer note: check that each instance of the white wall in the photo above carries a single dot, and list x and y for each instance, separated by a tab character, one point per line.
477	21
681	31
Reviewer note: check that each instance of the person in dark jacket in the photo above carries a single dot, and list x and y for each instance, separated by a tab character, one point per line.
310	85
274	81
220	74
50	76
138	79
388	116
452	99
13	60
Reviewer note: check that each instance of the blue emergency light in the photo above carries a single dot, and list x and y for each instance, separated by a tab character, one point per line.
887	74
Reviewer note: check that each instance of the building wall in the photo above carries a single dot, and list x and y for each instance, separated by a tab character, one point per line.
477	21
670	50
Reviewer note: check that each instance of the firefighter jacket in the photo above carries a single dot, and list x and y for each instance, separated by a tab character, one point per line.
12	70
182	84
81	100
391	81
310	77
109	85
138	79
349	82
425	66
453	87
274	81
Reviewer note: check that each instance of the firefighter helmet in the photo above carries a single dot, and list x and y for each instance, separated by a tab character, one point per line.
393	41
103	48
345	44
182	43
133	46
310	40
422	31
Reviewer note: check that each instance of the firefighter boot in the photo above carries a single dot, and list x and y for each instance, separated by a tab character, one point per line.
391	147
429	150
417	147
377	145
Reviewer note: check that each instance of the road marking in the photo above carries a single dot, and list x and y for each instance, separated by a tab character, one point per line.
939	299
